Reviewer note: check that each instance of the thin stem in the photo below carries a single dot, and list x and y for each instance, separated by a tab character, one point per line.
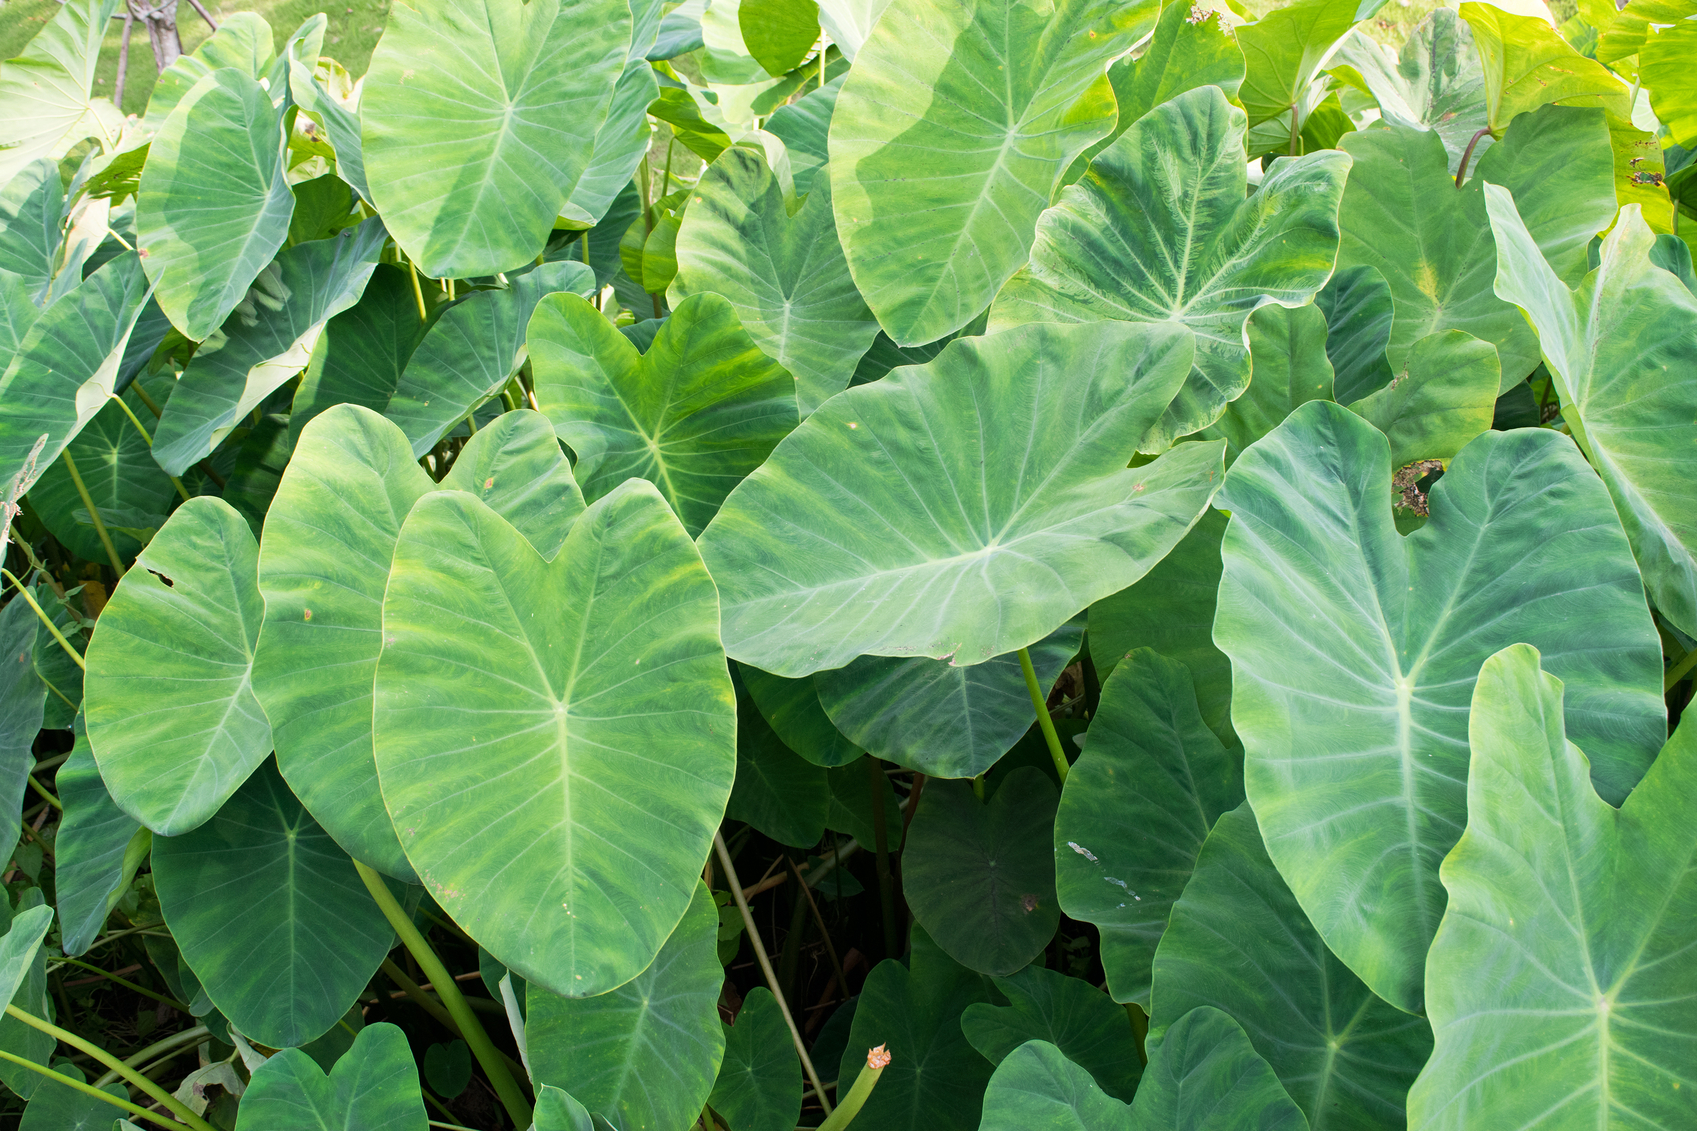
1038	700
470	1028
1679	671
175	482
174	1041
766	964
23	591
830	947
881	841
130	1075
1295	133
145	399
204	14
1467	154
91	1090
93	513
666	177
45	796
417	291
128	985
822	67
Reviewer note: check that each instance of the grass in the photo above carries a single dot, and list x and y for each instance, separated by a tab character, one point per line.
352	34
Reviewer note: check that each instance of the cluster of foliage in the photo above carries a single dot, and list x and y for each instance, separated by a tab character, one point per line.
1138	563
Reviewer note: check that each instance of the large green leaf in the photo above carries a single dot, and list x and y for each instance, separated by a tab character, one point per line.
1403	215
1354	652
1239	942
478	119
1359	310
373	1087
779	34
697	412
66	368
515	465
878	527
950	137
1446	396
20	946
620	144
1158	231
267	340
243	40
1621	351
214	202
935	1079
1666	60
1204	1076
1560	980
472	350
117	467
642	1056
759	1084
1528	65
784	275
31	216
1435	83
23	703
1070	1013
58	1107
1287	357
1135	810
171	711
1190	48
804	127
1172	611
1284	49
23	983
283	968
563	828
360	356
942	720
47	91
329	537
95	853
980	876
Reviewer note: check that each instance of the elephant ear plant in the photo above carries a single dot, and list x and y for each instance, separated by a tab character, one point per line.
915	565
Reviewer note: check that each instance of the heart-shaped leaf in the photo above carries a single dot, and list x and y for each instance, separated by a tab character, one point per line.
644	1055
1129	242
65	368
876	527
47	90
759	1084
1285	48
516	467
1135	810
946	145
1528	65
1620	350
979	876
1354	652
565	829
266	341
1446	396
784	275
1069	1013
693	415
1435	82
285	967
1204	1076
941	720
479	116
1403	215
1559	1000
214	202
373	1087
1239	942
473	350
58	1107
171	711
329	537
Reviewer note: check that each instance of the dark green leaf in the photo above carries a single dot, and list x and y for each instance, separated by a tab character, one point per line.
1076	1017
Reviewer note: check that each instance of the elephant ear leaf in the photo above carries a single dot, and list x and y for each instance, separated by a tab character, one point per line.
515	465
1563	952
171	711
619	754
876	527
1358	783
1446	396
1527	64
47	90
372	1087
1119	245
214	203
1622	354
945	148
478	119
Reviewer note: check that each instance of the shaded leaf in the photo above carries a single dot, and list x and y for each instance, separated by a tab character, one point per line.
373	1088
1076	1017
1446	396
759	1085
